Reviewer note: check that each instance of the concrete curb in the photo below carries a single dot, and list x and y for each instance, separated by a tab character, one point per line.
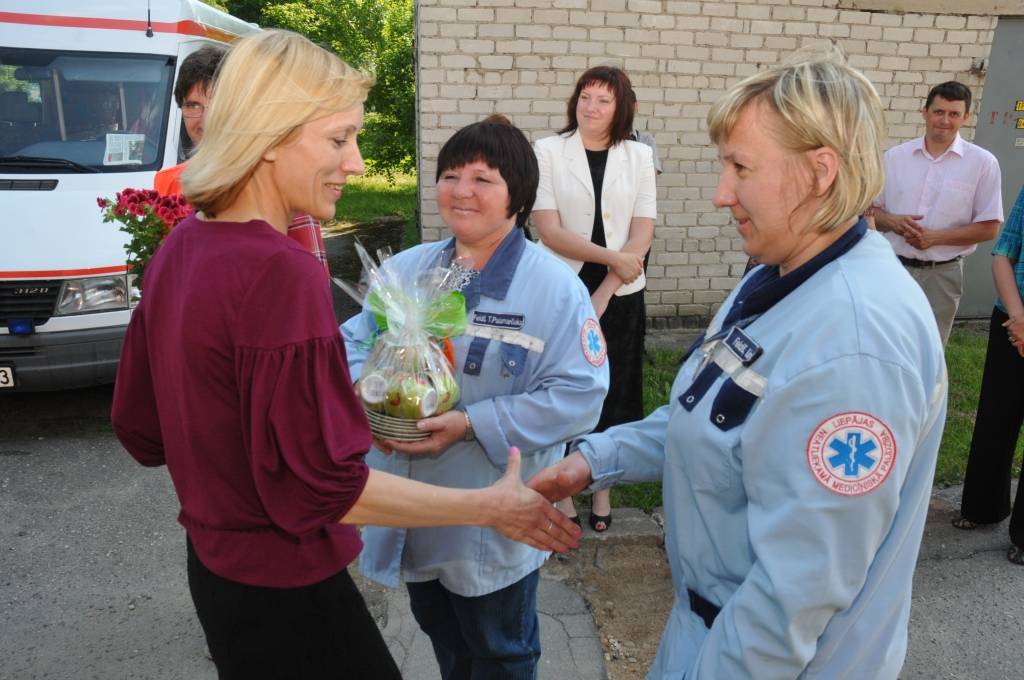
630	526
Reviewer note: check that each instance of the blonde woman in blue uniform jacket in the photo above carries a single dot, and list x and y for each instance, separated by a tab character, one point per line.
798	446
595	209
532	371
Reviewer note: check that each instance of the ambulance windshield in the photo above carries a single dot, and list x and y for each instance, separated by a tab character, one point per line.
66	112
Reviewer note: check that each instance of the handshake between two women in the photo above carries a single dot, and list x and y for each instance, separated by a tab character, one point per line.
518	511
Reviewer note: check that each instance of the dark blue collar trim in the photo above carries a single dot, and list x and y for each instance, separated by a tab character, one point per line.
496	276
766	287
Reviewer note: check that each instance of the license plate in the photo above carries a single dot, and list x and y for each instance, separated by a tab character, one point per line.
6	376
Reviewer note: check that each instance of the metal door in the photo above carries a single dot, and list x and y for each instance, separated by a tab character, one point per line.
1000	129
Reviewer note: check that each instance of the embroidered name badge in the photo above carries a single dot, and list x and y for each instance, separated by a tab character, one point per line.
851	453
594	349
512	322
742	346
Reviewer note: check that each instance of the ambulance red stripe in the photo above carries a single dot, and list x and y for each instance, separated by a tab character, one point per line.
187	27
63	273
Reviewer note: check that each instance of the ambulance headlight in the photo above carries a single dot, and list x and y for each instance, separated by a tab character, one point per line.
134	292
98	294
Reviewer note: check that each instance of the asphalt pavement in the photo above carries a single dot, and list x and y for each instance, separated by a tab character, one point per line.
92	583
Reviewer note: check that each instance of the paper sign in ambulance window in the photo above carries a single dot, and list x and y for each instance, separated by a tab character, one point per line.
124	149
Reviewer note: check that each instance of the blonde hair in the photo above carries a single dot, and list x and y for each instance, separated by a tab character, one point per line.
269	85
820	102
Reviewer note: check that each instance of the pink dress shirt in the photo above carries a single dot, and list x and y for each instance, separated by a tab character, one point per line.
960	187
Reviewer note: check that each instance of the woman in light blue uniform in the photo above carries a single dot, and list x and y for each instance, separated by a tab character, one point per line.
533	373
798	446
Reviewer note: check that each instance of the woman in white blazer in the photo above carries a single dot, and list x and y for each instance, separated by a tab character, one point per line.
595	209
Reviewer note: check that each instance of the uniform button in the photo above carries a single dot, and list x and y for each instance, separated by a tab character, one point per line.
689	399
719	419
512	363
472	367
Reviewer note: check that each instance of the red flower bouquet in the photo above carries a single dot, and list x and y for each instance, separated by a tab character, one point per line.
147	218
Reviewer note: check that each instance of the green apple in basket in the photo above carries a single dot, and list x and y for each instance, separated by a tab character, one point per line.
447	390
410	396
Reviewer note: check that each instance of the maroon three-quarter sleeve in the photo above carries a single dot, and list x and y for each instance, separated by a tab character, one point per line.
134	411
302	425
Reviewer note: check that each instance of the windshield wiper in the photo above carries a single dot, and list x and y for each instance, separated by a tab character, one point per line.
44	162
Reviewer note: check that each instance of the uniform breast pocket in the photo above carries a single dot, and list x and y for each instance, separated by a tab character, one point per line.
708	458
732	405
513	360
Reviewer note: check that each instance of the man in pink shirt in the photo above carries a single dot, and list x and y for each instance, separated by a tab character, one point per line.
942	197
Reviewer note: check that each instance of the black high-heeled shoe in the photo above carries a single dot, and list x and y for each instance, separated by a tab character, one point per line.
595	520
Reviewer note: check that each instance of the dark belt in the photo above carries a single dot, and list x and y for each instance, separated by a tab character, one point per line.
703	608
911	262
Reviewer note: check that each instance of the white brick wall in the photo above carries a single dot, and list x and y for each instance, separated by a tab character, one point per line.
522	58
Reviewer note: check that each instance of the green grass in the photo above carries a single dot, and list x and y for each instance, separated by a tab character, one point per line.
370	199
965	358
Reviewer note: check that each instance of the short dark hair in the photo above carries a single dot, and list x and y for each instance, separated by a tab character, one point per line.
504	147
951	91
616	80
198	68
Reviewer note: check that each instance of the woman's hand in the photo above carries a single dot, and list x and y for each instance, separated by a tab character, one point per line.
1015	329
565	478
445	430
627	266
383	445
524	515
1015	332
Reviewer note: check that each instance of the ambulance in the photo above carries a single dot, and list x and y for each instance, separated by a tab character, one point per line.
86	110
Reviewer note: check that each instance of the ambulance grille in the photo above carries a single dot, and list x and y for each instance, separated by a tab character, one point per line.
33	300
28	184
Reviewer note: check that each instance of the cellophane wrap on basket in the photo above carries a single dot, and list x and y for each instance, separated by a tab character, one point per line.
407	374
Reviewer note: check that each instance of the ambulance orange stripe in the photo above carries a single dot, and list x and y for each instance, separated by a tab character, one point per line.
187	27
63	273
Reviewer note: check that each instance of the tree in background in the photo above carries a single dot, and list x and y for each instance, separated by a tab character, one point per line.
376	35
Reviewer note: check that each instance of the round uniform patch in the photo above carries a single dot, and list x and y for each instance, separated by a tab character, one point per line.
592	341
851	453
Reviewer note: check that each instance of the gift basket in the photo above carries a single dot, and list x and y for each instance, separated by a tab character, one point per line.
408	373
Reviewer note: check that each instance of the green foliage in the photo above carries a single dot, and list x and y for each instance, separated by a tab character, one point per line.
375	199
8	83
373	35
219	4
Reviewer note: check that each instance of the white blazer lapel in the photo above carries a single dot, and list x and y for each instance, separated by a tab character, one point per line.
618	163
576	160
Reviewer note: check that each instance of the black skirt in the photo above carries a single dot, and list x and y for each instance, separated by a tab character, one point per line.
624	324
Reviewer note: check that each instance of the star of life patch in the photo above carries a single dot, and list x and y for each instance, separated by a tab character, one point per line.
594	349
851	453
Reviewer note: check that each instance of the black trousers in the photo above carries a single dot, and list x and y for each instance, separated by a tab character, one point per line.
318	632
996	428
